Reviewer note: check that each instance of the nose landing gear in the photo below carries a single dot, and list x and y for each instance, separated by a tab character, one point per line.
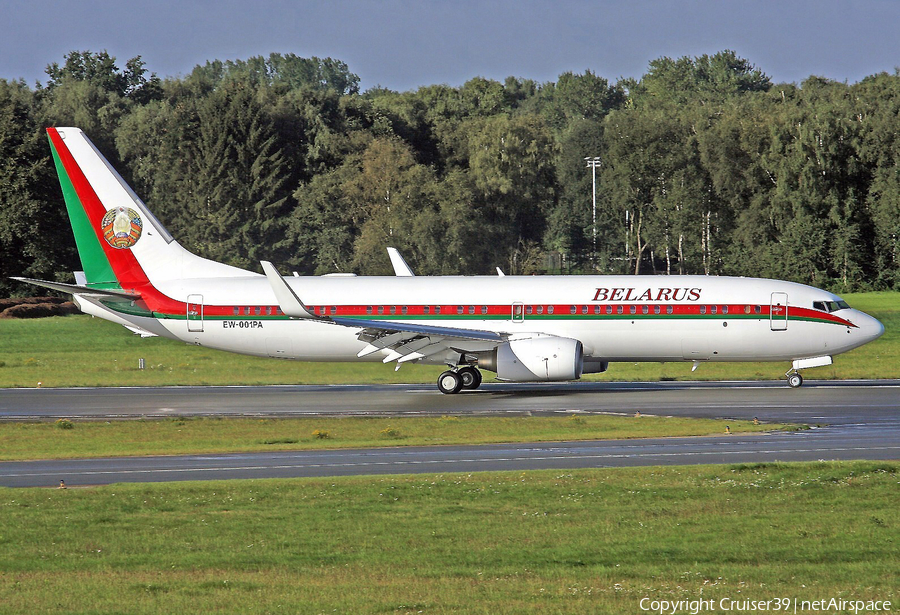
454	380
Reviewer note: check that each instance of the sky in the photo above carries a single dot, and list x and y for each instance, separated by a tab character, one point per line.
405	44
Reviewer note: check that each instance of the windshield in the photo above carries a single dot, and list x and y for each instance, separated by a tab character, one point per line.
830	306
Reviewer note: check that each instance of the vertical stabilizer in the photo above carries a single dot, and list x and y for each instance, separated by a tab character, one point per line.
120	242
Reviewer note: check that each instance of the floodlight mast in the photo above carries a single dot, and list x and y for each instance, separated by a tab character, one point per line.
593	162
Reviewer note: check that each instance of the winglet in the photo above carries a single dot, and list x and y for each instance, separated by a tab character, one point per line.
288	300
401	269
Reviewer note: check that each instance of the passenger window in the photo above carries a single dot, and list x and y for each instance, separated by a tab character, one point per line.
381	309
656	309
645	309
333	310
237	310
368	309
632	309
549	309
393	309
757	309
703	309
540	309
584	309
471	309
724	309
484	309
619	309
609	309
669	309
528	309
459	309
426	309
437	309
403	310
713	310
573	310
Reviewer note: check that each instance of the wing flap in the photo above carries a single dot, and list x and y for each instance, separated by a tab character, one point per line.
403	327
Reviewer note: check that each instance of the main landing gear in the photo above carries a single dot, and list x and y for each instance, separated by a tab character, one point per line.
795	380
454	380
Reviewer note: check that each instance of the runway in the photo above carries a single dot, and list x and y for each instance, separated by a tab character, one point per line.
851	419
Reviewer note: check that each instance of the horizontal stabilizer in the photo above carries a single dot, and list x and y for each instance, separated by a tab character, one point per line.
287	299
74	289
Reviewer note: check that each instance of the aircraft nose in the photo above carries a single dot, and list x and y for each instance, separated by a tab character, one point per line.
870	327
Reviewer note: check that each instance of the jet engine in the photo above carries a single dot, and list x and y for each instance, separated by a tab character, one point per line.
542	358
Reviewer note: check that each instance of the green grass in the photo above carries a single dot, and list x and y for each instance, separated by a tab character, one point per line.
84	351
188	436
586	541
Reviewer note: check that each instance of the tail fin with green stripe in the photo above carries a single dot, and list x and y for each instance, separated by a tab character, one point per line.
120	242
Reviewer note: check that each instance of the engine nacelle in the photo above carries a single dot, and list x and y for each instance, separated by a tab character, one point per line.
536	359
593	365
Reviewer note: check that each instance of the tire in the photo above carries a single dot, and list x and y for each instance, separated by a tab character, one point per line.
795	380
449	383
471	378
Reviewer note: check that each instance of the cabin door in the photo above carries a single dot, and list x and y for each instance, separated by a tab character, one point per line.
778	312
195	313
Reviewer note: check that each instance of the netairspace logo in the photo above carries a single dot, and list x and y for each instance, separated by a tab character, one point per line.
783	605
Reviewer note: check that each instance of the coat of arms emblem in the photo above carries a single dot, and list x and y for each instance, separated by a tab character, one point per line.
121	227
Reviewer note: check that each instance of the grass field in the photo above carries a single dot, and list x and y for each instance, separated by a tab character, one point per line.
64	440
84	351
587	541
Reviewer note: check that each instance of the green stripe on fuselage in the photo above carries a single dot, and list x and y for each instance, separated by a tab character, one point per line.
97	269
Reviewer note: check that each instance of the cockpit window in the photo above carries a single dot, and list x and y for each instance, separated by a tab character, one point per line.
830	306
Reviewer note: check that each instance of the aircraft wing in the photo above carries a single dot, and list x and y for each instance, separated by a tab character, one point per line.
395	327
409	342
403	341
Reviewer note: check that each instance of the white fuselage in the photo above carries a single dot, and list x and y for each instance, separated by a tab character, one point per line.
632	335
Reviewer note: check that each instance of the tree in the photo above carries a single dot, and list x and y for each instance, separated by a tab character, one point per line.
35	239
243	182
511	167
701	80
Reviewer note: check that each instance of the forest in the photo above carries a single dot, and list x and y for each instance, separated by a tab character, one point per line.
703	166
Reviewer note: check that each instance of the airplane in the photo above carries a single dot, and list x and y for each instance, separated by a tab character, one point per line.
522	328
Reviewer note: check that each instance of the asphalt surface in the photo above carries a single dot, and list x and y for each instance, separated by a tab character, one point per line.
850	419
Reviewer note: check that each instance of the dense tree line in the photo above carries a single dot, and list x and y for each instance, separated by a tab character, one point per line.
707	168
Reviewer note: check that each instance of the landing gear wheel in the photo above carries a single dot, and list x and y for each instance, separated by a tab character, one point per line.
795	380
449	383
471	377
